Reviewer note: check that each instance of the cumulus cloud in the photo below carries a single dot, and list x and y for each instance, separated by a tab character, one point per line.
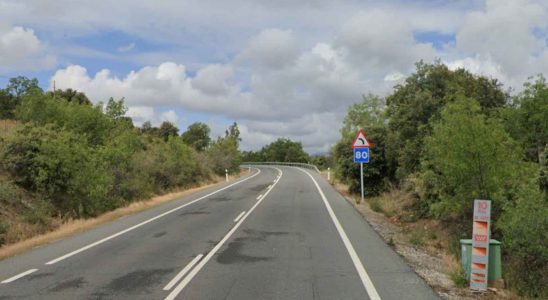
272	49
20	49
293	73
380	37
506	39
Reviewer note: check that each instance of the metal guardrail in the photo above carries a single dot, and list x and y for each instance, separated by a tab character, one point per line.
271	163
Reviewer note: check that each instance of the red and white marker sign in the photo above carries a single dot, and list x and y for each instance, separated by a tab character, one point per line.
361	140
480	245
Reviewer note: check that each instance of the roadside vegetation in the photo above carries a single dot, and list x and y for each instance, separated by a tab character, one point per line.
443	138
281	150
62	158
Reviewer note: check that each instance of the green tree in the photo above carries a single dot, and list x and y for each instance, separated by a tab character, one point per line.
90	121
233	132
197	136
284	150
414	103
71	95
115	109
8	104
167	129
469	156
224	155
20	85
148	129
368	115
527	120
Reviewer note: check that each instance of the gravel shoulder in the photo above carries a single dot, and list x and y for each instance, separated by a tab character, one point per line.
433	264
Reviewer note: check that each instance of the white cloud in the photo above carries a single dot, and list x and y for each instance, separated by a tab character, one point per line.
378	37
282	68
20	49
507	39
169	116
271	49
212	80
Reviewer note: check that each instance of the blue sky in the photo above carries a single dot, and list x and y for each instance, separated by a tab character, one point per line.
279	68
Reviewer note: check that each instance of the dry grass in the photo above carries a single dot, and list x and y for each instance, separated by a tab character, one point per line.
72	227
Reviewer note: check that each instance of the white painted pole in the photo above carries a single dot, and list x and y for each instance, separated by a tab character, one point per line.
226	173
328	174
361	178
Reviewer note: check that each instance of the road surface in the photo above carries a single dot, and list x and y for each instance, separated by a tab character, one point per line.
276	233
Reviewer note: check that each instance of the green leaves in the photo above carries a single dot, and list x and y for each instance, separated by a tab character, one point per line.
197	136
281	150
423	95
470	156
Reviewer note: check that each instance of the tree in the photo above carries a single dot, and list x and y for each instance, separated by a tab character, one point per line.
233	132
7	105
197	136
284	150
469	156
420	99
20	85
368	115
115	109
224	155
71	95
167	129
527	120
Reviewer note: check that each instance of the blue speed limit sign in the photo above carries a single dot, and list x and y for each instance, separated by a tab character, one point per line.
361	155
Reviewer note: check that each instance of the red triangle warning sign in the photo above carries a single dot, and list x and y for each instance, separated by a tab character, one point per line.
361	140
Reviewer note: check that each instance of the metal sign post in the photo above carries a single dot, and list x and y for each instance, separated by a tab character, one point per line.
480	245
361	178
361	146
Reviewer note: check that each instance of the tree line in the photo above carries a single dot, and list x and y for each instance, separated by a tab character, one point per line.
67	158
448	137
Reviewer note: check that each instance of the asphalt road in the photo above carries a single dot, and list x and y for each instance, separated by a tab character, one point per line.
277	233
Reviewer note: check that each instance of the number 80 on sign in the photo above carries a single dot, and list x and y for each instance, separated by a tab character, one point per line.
361	155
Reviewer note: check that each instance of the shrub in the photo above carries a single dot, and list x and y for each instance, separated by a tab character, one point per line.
525	243
60	165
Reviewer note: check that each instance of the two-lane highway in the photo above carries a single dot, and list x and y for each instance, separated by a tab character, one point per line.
277	233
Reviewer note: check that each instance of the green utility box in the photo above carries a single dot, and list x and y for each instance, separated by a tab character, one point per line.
494	268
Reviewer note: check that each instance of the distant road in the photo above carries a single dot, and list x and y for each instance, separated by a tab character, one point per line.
277	233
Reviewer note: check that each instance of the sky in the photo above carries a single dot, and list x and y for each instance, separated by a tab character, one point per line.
280	68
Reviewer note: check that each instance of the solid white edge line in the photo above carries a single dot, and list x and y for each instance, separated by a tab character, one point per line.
204	261
11	279
145	222
183	272
367	283
239	216
259	197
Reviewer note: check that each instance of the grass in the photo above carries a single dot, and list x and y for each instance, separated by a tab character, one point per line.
416	238
432	235
375	206
459	278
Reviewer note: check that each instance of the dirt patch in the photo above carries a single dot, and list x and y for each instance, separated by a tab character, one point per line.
72	227
419	242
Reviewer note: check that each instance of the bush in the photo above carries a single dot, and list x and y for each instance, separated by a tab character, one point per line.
4	227
9	193
61	166
525	243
